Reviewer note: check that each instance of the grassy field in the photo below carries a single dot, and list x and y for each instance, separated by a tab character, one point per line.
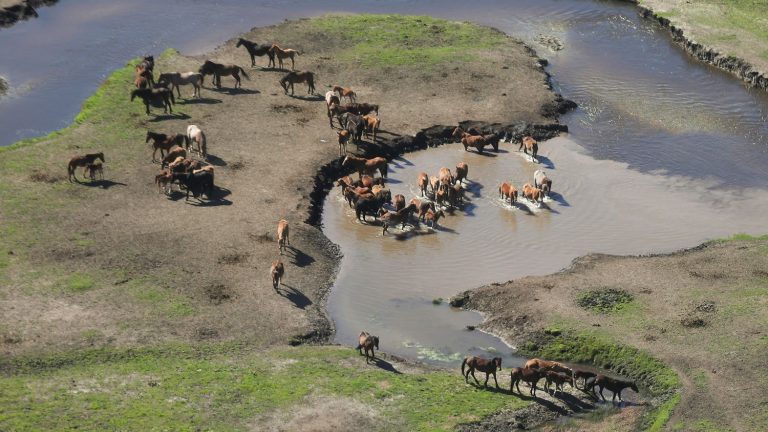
735	27
229	387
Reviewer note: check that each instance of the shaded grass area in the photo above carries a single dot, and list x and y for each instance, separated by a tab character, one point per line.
222	387
381	40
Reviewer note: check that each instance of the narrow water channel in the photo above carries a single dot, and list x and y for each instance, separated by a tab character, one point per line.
663	152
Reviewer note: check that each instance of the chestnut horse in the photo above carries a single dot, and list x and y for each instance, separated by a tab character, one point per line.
163	142
366	166
533	194
82	161
489	366
423	182
217	70
257	50
462	170
277	271
529	144
283	235
344	92
545	365
367	342
281	54
508	191
469	140
294	77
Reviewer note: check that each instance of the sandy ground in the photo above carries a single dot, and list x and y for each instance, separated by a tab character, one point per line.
700	311
189	272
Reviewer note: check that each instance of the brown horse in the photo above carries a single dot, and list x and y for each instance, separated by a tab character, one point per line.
489	366
82	161
424	207
218	70
469	140
161	96
344	92
557	378
462	170
95	168
446	178
614	385
294	77
283	237
582	374
532	194
163	142
257	50
372	125
423	182
508	191
545	365
144	79
399	217
528	144
431	217
366	166
343	139
367	342
281	54
173	153
277	271
530	376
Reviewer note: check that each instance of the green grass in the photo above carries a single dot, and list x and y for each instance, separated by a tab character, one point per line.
396	40
604	300
223	387
660	416
78	282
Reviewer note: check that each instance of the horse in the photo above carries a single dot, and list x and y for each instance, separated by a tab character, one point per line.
163	181
367	166
146	64
397	217
361	108
217	70
277	271
372	125
257	50
424	207
178	79
369	205
434	184
343	139
489	366
529	144
462	170
469	140
294	77
161	95
82	161
532	194
614	385
144	79
283	235
173	153
163	142
431	217
557	378
281	54
530	376
446	178
93	168
585	374
507	191
345	92
545	365
197	136
331	99
367	342
540	180
355	125
423	182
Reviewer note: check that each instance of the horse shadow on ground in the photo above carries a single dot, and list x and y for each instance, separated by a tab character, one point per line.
104	184
200	101
173	116
468	208
299	258
216	199
385	365
386	132
545	162
399	161
215	160
574	404
559	199
485	154
232	91
523	207
310	98
474	188
293	295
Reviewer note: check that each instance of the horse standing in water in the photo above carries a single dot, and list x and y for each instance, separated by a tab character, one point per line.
257	50
483	365
82	161
217	70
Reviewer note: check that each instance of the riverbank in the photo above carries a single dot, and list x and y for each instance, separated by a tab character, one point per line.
13	11
729	35
114	266
696	311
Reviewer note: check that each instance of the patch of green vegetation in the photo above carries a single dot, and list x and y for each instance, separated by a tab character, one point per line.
437	301
700	379
659	417
604	300
667	14
745	237
394	40
79	282
223	387
163	302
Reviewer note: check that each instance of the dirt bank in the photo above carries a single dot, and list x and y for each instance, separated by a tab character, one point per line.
727	35
698	311
12	11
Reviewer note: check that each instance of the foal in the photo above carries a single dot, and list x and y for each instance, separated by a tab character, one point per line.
281	54
82	161
294	77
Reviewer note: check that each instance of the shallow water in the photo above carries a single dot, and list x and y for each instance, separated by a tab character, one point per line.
663	152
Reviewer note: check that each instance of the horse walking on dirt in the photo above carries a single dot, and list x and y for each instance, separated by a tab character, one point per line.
257	50
178	79
294	77
282	54
160	96
367	342
489	366
82	161
163	142
218	70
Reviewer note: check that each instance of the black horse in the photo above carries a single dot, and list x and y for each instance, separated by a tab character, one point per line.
612	384
217	70
159	96
257	50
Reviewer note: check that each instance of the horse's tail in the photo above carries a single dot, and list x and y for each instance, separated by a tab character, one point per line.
244	74
463	363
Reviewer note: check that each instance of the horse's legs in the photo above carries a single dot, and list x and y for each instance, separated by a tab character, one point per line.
601	393
494	380
293	64
146	105
619	393
473	376
487	375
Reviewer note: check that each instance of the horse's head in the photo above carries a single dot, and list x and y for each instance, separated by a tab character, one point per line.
100	155
376	108
239	42
632	385
134	94
497	362
457	132
149	137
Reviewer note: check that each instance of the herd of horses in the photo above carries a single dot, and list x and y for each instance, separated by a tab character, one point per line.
367	195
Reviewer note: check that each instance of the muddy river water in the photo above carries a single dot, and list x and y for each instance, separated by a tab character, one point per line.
663	152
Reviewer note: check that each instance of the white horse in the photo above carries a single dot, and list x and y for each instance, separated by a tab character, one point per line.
196	135
177	79
541	181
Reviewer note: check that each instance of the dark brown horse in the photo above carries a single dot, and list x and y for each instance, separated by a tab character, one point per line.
218	70
614	385
161	96
367	342
95	168
367	166
295	77
163	142
581	373
489	366
530	376
529	144
82	161
257	50
469	140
